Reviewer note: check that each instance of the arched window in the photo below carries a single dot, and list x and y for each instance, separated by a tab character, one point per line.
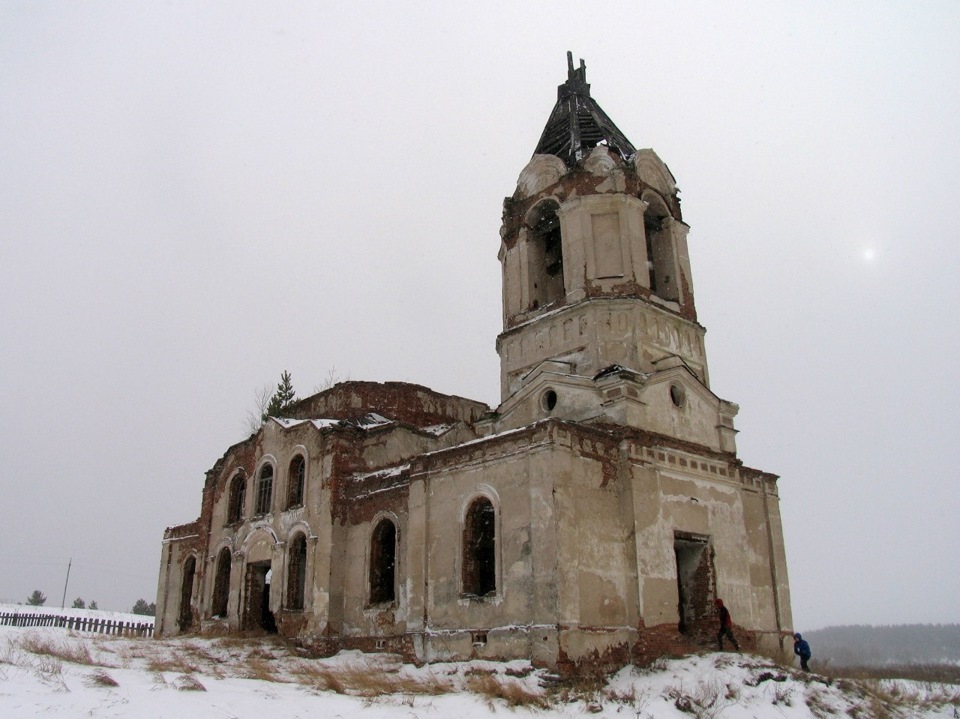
186	594
383	562
221	584
295	477
661	264
545	252
296	572
479	549
238	491
265	489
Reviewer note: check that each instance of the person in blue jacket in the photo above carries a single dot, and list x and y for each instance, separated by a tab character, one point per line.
802	649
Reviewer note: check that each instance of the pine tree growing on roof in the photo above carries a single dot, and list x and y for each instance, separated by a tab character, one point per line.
282	398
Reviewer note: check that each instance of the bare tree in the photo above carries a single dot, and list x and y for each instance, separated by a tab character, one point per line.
261	400
270	403
333	378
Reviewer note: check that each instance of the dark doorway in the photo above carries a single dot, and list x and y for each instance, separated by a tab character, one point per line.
185	620
695	582
257	614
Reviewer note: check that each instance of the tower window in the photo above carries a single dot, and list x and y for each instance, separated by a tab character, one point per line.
661	264
479	549
383	562
545	255
297	572
296	476
265	490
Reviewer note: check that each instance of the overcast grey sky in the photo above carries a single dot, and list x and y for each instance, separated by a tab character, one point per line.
197	196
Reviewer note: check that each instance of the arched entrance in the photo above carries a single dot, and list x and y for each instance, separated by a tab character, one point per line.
256	613
257	578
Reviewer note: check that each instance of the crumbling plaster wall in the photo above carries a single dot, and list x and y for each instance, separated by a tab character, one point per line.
691	499
368	506
585	547
179	544
585	539
331	456
768	562
509	473
413	404
697	418
598	332
596	565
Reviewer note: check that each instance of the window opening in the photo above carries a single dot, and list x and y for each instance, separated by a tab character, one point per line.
695	581
677	395
383	562
478	639
186	594
479	549
549	400
297	474
238	490
546	255
265	490
660	263
221	584
297	572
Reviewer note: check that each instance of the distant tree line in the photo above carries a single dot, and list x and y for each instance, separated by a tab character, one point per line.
147	610
38	599
859	645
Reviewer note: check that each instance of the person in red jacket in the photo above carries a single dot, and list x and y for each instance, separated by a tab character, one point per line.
726	626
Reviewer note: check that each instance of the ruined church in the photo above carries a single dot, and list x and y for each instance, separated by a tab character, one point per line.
589	520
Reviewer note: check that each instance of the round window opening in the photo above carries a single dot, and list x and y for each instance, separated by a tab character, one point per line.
549	400
677	395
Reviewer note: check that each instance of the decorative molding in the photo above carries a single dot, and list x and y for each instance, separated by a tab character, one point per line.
600	162
540	173
652	171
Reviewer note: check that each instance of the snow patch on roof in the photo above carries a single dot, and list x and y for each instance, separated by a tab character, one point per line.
368	421
383	473
437	429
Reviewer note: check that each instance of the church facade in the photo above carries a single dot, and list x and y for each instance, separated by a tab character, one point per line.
591	519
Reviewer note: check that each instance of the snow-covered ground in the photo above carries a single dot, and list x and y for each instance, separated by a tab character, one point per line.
53	672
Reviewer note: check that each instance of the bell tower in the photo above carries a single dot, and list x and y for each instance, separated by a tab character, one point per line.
596	272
